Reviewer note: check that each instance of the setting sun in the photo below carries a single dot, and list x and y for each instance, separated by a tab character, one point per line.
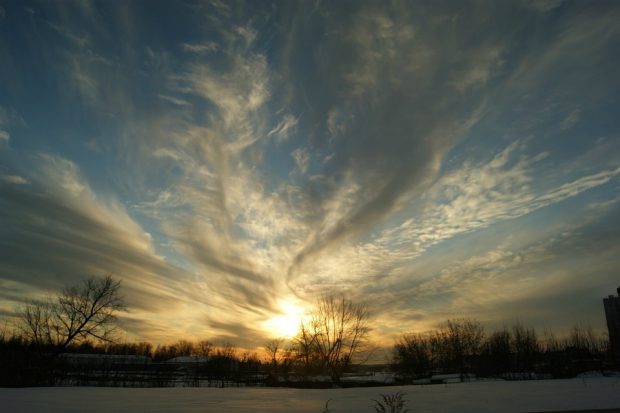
286	324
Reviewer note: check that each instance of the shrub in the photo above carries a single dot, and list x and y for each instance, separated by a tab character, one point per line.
391	403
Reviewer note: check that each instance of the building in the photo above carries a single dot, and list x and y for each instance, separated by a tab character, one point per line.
612	313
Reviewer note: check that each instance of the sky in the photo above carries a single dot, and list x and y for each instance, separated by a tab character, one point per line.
232	162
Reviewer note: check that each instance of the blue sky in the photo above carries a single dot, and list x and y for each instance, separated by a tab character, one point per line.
233	161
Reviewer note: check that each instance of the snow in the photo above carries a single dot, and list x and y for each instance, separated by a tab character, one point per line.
475	397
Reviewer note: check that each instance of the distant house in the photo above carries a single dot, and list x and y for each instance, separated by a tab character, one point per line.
612	313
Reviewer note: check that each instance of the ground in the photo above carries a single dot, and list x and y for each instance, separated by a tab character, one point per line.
476	397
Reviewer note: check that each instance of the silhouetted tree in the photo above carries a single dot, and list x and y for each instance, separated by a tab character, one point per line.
496	353
76	314
183	348
412	355
550	342
583	338
525	347
203	348
226	350
456	344
305	348
335	332
274	348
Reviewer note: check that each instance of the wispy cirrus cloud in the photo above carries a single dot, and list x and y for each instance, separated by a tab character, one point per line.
472	197
284	127
385	156
5	136
282	152
200	49
62	231
14	179
217	195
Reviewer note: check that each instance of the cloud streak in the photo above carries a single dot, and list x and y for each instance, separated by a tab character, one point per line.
59	231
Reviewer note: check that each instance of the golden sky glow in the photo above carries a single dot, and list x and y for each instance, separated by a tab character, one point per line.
286	324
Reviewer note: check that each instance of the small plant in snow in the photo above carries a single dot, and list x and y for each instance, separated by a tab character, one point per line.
327	409
391	403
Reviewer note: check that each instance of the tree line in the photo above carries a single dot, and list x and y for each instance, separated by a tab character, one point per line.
334	337
82	320
462	346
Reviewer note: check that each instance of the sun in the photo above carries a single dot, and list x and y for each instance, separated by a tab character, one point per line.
286	324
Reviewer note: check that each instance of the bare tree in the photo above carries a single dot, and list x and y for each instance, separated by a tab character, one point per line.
183	348
583	337
525	346
226	350
304	345
412	355
550	342
496	352
76	314
203	348
274	347
4	332
336	331
456	343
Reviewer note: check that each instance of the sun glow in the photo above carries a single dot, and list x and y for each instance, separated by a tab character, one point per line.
286	324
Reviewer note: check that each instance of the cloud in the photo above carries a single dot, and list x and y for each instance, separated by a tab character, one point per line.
386	106
214	212
543	6
480	69
200	49
284	127
4	139
571	120
174	100
591	33
237	94
475	196
388	267
527	270
79	40
325	147
61	231
336	122
6	118
390	143
302	159
538	271
247	33
14	179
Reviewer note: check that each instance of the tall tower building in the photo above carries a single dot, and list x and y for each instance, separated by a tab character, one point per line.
612	313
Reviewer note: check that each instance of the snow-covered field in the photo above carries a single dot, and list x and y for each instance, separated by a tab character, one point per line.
475	397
